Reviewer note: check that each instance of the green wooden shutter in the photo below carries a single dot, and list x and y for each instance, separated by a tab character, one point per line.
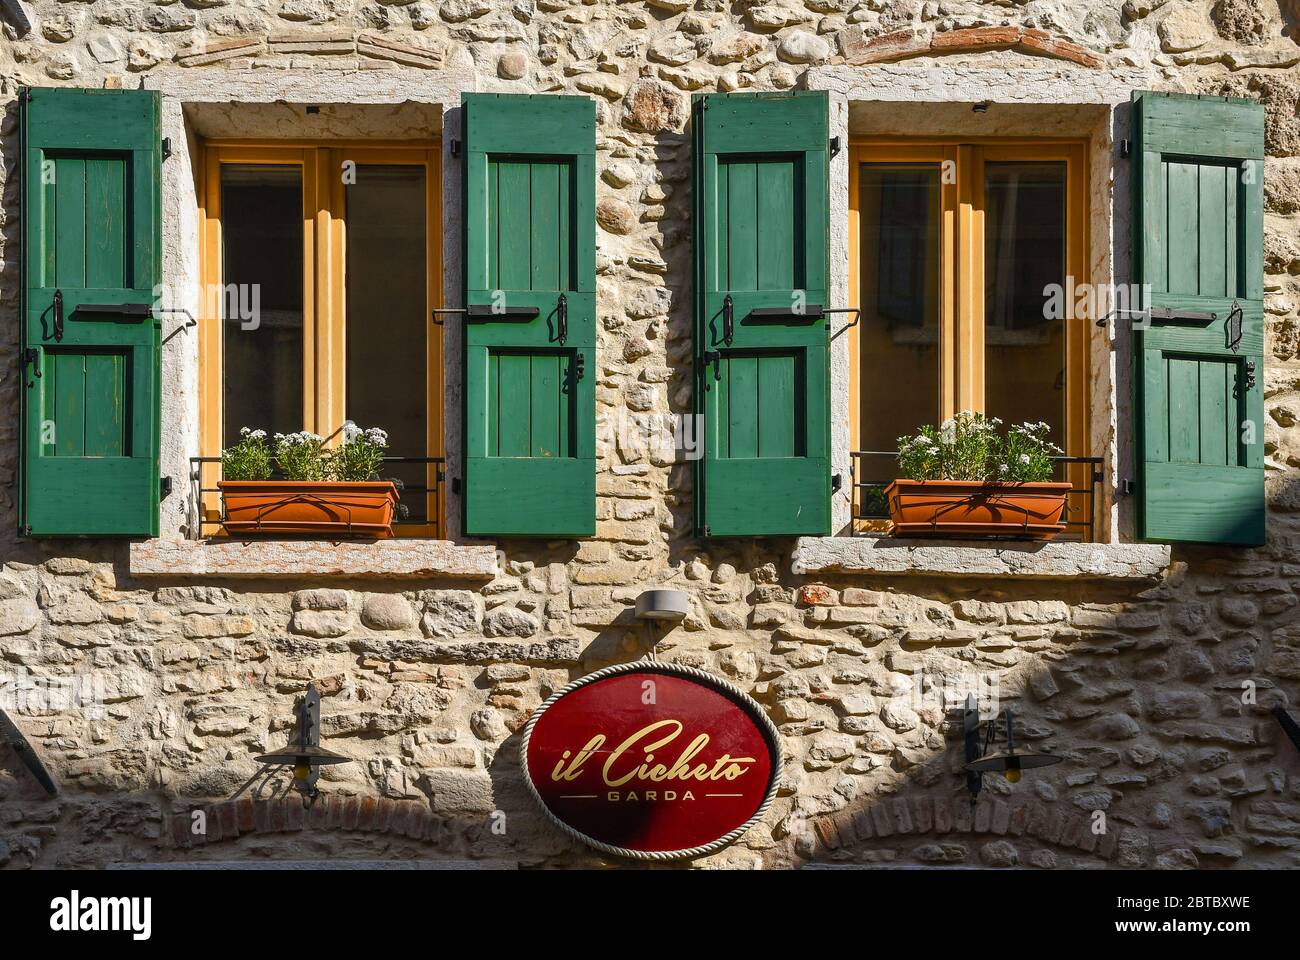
90	261
1198	240
762	382
530	332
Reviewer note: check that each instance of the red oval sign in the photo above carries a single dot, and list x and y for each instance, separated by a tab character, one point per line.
652	760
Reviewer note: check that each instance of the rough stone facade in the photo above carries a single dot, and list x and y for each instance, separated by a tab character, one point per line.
1136	678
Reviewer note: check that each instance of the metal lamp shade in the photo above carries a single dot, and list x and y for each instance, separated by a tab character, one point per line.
1004	760
295	754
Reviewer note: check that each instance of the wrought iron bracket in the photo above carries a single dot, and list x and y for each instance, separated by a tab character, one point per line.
16	15
21	746
1289	726
486	311
974	748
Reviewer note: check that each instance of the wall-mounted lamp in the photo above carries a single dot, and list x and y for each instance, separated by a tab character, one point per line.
1008	762
667	607
304	753
671	605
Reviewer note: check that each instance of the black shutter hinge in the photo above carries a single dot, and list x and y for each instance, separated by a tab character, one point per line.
835	147
166	147
713	357
455	485
164	488
707	530
579	365
455	147
33	356
1125	487
837	481
1125	148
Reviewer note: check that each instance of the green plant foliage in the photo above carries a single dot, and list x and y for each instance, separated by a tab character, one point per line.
302	456
1025	454
360	455
249	459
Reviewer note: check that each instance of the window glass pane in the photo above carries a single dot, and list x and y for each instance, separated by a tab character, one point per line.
262	233
387	321
1024	253
900	275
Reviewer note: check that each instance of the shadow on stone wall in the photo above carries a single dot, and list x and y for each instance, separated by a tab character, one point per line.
1139	691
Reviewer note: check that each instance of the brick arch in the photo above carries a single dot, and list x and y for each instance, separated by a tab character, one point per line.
905	44
246	816
925	816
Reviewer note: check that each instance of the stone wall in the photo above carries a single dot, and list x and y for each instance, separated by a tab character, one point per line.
1137	682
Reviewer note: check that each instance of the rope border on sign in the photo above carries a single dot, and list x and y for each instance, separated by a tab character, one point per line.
738	696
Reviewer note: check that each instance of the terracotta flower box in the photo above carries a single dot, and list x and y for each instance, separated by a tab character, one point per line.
964	508
330	507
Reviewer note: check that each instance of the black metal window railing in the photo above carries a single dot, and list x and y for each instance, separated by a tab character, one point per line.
871	471
419	501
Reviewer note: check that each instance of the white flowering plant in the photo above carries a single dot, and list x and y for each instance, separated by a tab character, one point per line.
969	447
249	459
1025	454
304	456
960	448
360	454
301	456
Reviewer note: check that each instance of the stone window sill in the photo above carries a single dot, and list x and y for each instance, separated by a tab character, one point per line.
390	559
1052	560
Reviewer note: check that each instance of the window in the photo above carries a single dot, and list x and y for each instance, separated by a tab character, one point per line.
321	262
954	248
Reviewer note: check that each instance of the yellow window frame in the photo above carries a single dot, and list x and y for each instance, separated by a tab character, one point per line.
324	292
961	301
